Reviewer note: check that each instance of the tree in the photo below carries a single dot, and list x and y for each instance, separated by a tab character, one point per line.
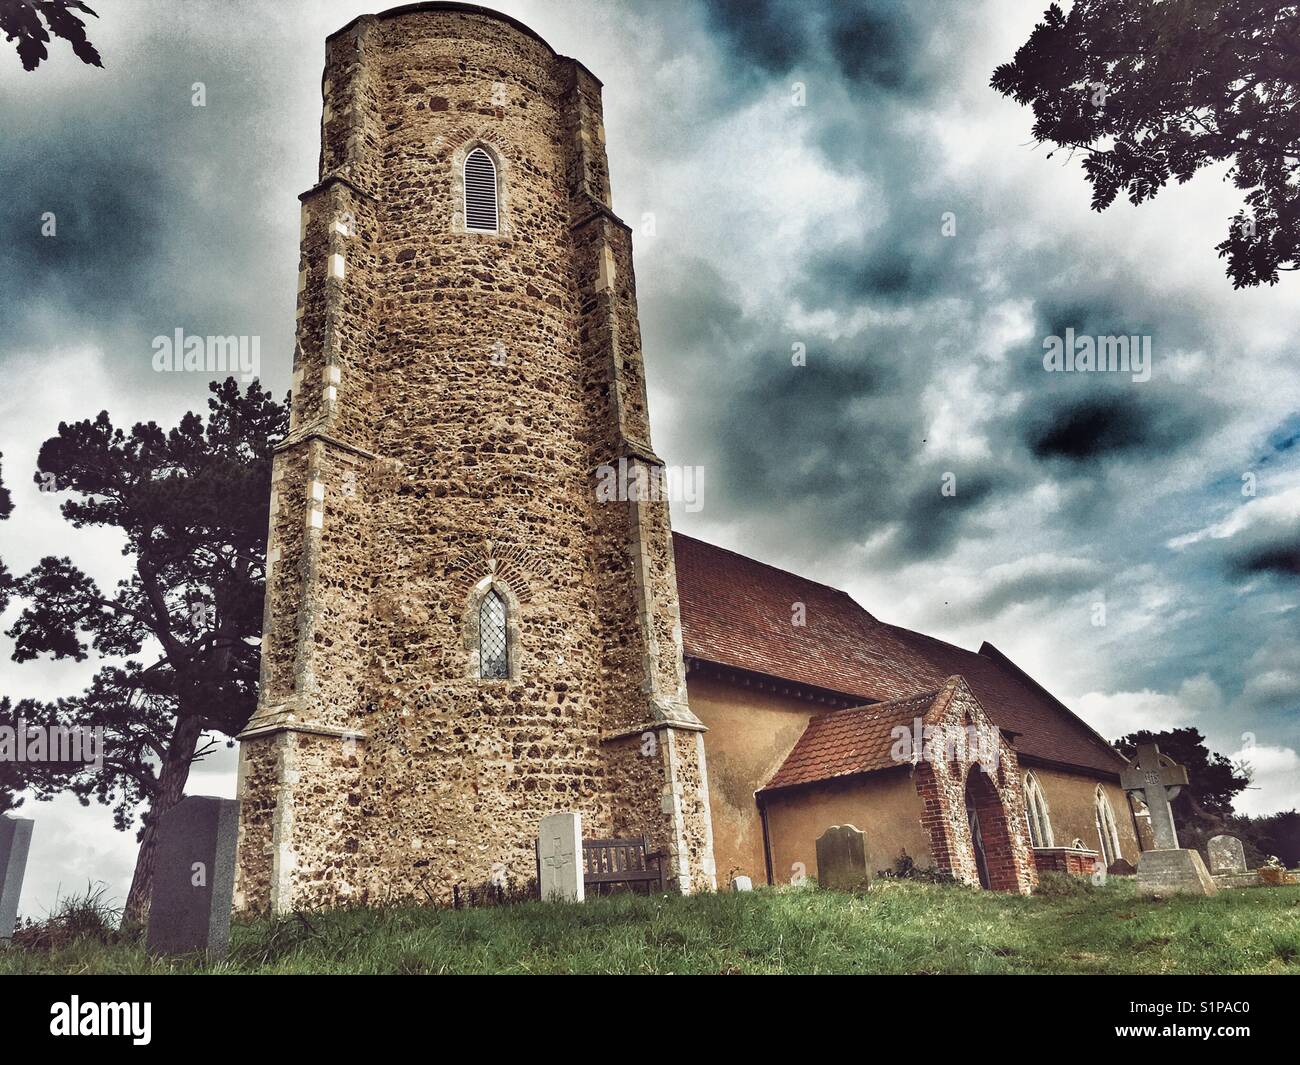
1149	90
9	782
1272	834
192	506
1203	808
31	22
6	508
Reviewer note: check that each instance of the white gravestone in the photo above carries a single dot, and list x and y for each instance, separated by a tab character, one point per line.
741	883
559	858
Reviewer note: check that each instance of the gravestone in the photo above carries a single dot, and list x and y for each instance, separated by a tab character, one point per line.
842	859
559	858
741	883
194	877
1226	855
1121	867
15	840
1167	869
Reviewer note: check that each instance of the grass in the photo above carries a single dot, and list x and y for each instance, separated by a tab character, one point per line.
898	927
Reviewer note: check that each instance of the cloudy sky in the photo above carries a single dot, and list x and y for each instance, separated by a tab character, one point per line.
760	225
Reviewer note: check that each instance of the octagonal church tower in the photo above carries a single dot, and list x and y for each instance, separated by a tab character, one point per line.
462	633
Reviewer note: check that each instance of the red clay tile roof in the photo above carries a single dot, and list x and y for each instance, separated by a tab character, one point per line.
845	742
737	612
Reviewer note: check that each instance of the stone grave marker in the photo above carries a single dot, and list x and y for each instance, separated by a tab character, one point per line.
741	883
1226	855
559	858
15	840
842	859
1168	868
194	877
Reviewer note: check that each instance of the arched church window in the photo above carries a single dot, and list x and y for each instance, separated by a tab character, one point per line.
1040	826
494	656
480	192
1106	828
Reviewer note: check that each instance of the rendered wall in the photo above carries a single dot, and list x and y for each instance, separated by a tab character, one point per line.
885	806
750	733
1070	801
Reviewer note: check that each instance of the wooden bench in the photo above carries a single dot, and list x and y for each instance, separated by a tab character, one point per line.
607	862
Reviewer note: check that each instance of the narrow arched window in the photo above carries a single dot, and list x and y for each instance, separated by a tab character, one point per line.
480	192
493	643
1040	826
1107	830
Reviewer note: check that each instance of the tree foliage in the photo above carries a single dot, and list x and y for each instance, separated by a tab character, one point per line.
1154	90
1272	835
180	636
32	23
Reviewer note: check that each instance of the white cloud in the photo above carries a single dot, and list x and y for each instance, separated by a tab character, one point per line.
1272	512
1116	714
1275	780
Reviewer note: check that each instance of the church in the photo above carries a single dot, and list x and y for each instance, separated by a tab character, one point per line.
462	635
803	725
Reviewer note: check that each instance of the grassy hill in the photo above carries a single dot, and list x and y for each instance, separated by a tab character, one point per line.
899	927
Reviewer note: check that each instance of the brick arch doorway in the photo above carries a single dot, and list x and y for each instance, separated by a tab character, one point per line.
993	849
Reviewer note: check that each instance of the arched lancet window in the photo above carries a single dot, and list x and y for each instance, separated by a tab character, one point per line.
1040	826
480	192
1106	828
493	639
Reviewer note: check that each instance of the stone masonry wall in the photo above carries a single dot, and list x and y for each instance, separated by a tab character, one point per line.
454	395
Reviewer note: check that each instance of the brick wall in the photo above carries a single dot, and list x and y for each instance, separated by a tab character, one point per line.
1066	860
948	787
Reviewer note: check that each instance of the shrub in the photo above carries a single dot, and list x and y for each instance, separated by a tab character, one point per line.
907	869
91	916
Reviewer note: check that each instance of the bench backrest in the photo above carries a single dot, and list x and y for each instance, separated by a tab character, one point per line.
621	861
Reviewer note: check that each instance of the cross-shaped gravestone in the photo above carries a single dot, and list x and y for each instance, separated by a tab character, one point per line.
1159	779
1166	868
560	854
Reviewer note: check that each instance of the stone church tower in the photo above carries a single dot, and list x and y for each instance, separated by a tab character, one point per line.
461	637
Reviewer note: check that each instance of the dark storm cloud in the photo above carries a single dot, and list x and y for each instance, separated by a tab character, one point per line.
1264	541
1282	440
1030	581
159	205
1281	558
906	260
70	286
1096	427
876	45
872	44
823	454
931	522
768	33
